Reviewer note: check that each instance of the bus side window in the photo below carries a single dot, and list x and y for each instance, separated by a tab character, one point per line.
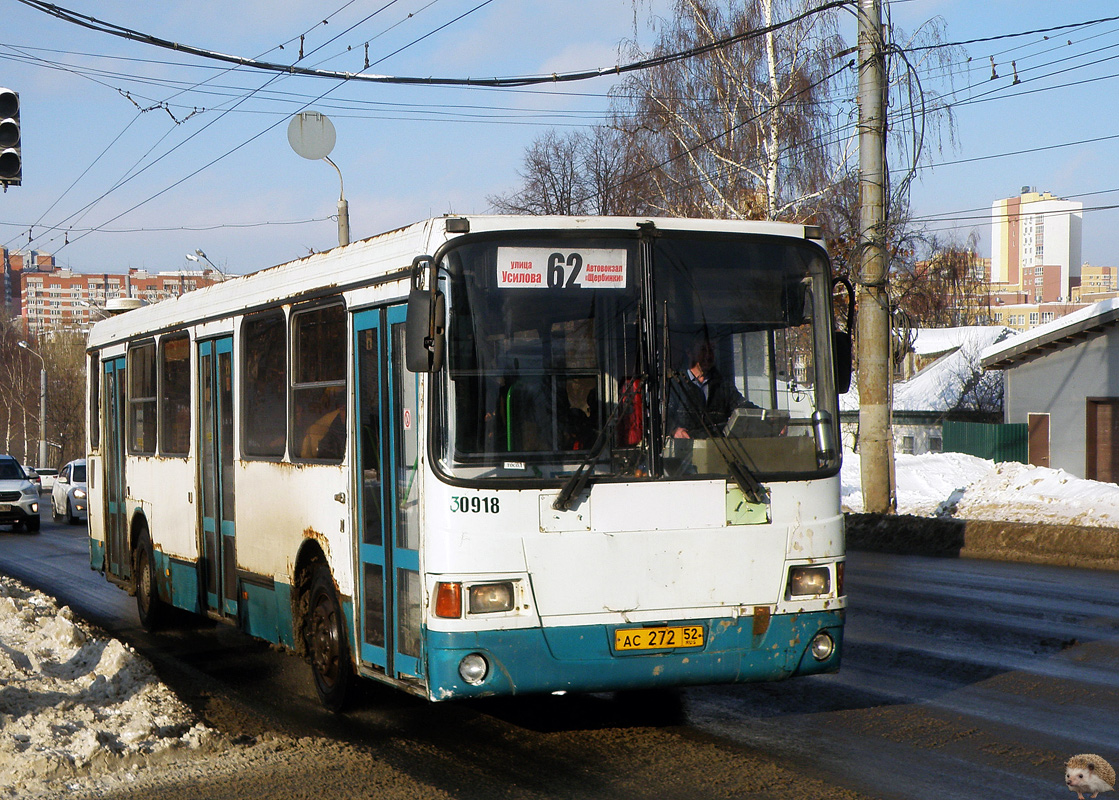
264	387
174	395
319	383
141	399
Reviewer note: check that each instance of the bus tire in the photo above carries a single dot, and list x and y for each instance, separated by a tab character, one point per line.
149	606
327	648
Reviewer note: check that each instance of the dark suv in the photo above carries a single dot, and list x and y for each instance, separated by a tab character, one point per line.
19	498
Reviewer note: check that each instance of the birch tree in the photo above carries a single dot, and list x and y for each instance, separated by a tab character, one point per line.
741	131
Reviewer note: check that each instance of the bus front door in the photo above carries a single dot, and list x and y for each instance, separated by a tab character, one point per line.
118	560
387	453
216	463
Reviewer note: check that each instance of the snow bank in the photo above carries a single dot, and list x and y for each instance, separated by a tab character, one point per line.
1022	493
924	482
966	487
74	702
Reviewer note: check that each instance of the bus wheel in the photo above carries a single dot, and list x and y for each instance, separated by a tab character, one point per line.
149	606
326	643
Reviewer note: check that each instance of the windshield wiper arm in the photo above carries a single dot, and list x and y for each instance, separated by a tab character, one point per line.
578	479
751	488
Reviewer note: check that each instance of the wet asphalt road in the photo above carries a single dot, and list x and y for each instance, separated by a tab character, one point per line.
961	679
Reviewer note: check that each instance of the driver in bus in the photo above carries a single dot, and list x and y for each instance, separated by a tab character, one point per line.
701	395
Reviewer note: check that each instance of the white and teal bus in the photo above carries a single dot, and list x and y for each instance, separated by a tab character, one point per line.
488	455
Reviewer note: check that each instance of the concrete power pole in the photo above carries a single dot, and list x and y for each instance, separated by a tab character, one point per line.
876	445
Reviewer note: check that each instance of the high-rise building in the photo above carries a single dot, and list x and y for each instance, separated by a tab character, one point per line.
14	264
1032	231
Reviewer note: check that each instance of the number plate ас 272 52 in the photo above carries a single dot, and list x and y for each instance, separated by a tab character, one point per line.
662	638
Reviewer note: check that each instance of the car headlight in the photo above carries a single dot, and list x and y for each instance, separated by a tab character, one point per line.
807	581
491	598
80	494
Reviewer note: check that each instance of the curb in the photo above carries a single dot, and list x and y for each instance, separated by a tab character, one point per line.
1060	545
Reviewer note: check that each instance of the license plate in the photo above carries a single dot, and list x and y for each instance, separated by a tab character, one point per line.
658	638
5	506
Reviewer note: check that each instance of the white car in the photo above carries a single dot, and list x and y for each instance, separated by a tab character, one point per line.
19	498
68	495
47	476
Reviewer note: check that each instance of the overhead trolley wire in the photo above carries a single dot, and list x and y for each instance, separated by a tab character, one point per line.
524	80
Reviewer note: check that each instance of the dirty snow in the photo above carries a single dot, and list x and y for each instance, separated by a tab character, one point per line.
75	702
83	715
966	487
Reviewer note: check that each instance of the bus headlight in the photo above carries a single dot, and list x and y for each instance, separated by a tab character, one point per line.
822	646
807	581
473	668
491	598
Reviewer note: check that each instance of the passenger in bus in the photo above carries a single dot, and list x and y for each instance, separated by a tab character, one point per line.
326	436
701	398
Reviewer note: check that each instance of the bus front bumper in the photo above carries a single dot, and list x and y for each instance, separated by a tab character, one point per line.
583	659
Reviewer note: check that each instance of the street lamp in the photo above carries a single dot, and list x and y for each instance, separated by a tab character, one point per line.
42	403
312	136
93	309
198	257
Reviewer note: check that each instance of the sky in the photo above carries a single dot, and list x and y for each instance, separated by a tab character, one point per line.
135	156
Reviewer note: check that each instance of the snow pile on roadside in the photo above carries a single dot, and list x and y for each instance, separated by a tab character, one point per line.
1022	493
924	482
75	703
966	487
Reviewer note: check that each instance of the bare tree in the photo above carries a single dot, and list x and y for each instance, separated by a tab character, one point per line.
581	172
19	385
739	131
64	355
949	287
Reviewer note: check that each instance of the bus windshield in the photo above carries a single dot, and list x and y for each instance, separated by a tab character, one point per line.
671	357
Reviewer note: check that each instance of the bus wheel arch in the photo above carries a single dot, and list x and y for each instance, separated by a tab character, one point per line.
307	561
150	606
322	636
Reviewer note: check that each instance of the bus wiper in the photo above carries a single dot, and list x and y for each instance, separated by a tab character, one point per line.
578	479
751	488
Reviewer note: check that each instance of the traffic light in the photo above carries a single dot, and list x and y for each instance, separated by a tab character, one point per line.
11	161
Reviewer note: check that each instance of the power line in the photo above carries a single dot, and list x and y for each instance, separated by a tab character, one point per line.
250	139
128	177
528	80
214	227
999	37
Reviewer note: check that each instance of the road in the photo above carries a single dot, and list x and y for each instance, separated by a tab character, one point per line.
961	679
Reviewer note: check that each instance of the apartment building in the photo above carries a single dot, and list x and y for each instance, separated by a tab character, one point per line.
55	298
1036	230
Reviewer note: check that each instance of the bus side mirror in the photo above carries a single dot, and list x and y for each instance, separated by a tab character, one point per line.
844	361
425	325
842	348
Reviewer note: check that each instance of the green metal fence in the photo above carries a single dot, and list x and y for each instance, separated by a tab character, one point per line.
997	442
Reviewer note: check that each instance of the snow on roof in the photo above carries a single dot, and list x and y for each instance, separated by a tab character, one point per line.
1052	335
934	341
954	381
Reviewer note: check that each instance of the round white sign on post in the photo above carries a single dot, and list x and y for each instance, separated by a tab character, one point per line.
311	135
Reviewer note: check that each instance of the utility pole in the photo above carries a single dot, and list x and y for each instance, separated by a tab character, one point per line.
876	446
43	446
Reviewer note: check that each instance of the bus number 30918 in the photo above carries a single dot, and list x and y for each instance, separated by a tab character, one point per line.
474	505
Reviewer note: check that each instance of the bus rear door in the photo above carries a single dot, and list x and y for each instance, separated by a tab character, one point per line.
118	560
216	463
